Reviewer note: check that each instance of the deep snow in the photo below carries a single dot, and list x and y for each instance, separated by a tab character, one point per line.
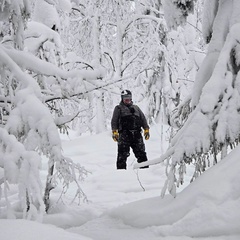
126	205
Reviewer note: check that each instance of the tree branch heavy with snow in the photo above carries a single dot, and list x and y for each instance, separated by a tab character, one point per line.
214	123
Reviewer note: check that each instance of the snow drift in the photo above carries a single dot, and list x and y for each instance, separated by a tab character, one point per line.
205	208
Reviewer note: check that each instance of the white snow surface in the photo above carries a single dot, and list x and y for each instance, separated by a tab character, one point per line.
121	207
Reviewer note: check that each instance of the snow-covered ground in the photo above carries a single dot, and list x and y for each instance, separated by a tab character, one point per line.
126	204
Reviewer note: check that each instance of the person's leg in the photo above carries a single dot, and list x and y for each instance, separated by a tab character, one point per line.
123	151
138	148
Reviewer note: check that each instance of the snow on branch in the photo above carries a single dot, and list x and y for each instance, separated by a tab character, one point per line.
33	126
215	122
138	17
28	61
16	12
209	15
21	167
176	11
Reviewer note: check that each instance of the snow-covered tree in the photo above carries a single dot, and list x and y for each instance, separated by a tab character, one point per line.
185	52
127	39
28	129
214	122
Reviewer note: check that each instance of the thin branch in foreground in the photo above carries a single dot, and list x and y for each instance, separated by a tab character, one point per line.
136	172
87	91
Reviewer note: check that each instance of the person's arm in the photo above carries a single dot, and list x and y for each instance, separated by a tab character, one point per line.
115	118
115	123
144	125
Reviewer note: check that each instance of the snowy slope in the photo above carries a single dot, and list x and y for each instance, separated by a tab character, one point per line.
210	206
29	230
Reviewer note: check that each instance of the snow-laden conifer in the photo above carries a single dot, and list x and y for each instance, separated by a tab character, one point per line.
30	78
213	122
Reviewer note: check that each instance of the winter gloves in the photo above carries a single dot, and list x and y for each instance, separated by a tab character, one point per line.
115	135
146	133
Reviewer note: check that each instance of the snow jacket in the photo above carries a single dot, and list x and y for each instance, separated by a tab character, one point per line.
128	118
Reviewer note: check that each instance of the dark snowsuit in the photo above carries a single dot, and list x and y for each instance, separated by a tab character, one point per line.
129	120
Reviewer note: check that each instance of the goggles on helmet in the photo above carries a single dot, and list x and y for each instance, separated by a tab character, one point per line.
127	97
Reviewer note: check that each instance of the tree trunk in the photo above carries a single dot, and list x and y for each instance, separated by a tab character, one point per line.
48	188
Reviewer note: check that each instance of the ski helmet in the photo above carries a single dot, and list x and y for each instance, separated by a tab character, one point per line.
126	94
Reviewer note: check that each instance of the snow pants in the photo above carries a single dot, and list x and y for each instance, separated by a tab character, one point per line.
130	139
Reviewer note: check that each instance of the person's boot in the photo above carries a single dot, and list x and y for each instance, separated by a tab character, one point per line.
144	167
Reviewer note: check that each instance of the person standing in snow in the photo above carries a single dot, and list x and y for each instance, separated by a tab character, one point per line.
127	123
